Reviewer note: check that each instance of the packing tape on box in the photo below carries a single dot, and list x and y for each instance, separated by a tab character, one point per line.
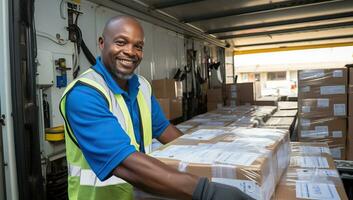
223	171
182	166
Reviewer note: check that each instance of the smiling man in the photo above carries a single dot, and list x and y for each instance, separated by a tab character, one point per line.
111	117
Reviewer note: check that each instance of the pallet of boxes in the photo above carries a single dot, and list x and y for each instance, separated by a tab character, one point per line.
322	104
169	94
311	174
260	162
214	98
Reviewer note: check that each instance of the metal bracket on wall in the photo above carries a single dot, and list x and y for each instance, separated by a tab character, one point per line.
2	120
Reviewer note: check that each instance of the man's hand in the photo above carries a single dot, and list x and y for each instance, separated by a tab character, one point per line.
206	190
151	175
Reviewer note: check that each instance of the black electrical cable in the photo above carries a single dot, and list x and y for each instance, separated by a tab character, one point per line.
87	53
82	44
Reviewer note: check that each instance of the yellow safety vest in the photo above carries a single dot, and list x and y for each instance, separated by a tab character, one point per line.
83	184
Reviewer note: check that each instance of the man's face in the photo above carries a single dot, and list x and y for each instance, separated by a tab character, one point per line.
122	48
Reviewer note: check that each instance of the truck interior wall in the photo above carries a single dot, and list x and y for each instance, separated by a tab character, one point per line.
2	164
8	150
163	50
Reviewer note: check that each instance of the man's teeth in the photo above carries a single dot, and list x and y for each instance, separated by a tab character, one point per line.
126	61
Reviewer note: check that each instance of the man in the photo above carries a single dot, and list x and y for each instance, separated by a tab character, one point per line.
110	119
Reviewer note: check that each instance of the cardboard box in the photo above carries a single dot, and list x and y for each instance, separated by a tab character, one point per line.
214	96
287	105
335	106
231	91
213	106
232	102
331	130
311	77
278	121
241	157
310	148
337	151
167	88
173	108
285	113
323	91
246	93
311	175
304	183
267	101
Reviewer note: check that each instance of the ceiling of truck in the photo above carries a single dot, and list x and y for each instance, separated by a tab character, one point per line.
260	24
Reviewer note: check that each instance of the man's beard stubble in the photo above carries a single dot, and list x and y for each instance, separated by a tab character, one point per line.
121	75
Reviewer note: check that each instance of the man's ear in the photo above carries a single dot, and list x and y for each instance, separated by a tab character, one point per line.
101	42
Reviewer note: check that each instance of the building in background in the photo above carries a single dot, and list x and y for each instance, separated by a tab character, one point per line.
277	71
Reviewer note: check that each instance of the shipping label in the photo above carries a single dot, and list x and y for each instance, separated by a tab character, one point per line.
320	191
323	103
332	89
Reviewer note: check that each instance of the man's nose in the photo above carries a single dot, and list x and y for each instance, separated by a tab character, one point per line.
129	50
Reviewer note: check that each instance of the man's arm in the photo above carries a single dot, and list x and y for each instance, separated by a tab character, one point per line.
151	175
155	177
169	134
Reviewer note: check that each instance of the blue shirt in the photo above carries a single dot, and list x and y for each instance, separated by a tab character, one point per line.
101	138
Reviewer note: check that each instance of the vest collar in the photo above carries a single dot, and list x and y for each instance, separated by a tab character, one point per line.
133	83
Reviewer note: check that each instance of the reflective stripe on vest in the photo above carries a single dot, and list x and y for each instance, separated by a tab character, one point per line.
77	164
89	178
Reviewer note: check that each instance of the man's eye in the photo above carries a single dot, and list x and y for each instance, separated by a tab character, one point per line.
139	47
120	43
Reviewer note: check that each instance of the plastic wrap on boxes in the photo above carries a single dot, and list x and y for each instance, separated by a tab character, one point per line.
184	127
335	106
239	110
246	121
285	113
287	105
324	83
322	91
249	159
330	130
310	184
322	76
205	122
264	110
280	123
309	148
315	182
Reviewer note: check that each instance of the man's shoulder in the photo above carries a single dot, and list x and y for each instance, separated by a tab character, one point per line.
82	93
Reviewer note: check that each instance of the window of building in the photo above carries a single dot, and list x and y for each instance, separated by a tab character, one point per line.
257	76
276	76
245	77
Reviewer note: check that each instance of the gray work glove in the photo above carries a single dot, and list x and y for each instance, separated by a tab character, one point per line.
206	190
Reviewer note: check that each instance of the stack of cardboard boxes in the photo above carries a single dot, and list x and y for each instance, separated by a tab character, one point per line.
310	175
214	99
240	94
322	104
248	93
169	94
231	95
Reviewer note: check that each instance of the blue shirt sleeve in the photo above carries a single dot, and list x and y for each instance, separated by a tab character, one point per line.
159	121
101	138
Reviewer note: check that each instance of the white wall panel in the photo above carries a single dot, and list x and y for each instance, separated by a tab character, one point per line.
146	67
47	18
